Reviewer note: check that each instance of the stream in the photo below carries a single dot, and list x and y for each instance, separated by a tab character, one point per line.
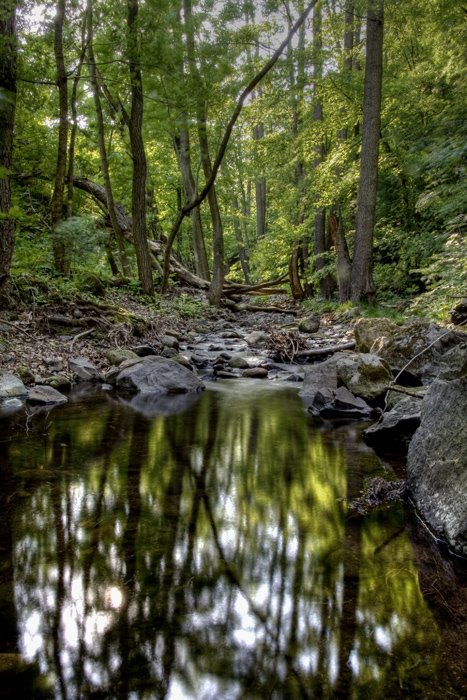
207	554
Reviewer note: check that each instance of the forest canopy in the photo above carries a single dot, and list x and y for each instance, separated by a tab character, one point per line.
237	141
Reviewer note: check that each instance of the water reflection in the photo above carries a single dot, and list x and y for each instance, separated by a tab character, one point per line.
207	554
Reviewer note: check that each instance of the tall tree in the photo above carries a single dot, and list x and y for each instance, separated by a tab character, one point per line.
215	289
101	139
138	196
62	248
362	284
8	58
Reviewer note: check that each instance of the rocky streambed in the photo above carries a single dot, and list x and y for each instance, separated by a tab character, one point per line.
410	380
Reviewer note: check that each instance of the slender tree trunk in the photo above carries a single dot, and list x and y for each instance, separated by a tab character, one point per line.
182	148
326	283
260	187
138	199
335	222
61	248
297	84
101	141
362	285
8	56
217	281
74	123
242	251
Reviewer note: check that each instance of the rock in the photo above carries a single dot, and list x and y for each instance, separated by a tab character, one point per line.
54	364
25	374
169	352
224	374
392	433
339	403
45	395
144	350
257	338
119	355
322	375
158	375
83	368
11	385
420	342
169	341
437	459
368	330
238	362
309	324
365	375
56	381
255	373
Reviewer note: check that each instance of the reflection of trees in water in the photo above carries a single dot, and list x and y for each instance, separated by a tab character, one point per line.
208	551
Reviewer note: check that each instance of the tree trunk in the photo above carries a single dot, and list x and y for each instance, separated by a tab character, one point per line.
335	222
61	247
344	263
138	198
362	285
242	251
215	290
101	141
8	56
74	123
182	148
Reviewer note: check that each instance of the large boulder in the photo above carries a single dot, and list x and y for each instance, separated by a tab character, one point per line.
437	456
418	344
369	330
365	375
158	375
339	403
391	435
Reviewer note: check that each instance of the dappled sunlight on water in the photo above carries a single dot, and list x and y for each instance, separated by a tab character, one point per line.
208	554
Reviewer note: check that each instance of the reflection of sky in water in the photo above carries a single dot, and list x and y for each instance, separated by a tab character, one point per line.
240	576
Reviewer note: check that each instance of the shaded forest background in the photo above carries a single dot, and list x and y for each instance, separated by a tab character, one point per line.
133	131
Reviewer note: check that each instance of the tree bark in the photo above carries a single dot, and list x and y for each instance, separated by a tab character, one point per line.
8	58
217	280
362	285
138	199
182	148
61	248
101	141
74	123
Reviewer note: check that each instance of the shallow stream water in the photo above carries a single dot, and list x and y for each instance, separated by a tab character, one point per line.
208	555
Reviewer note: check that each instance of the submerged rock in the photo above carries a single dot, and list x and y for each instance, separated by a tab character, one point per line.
158	375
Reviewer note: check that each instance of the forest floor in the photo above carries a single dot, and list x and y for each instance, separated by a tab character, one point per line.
39	339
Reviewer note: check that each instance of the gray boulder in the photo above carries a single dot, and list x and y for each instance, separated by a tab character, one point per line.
369	330
118	355
158	375
45	395
419	342
365	375
309	324
339	403
84	369
259	338
437	456
392	433
11	386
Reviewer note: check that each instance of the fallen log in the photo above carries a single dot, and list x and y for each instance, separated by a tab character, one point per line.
97	192
329	350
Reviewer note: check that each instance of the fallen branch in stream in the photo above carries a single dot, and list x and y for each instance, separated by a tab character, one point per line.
328	350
